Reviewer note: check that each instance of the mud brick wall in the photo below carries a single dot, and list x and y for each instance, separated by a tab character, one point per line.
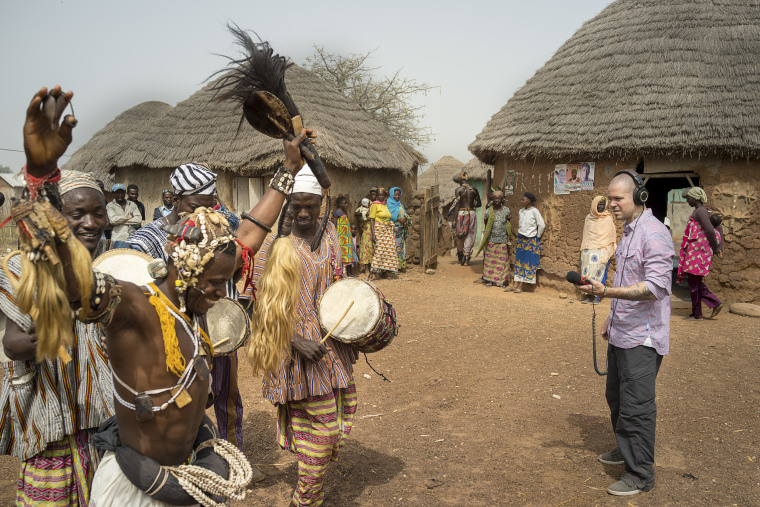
732	188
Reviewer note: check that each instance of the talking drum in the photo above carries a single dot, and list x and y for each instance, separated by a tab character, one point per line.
228	326
370	324
125	264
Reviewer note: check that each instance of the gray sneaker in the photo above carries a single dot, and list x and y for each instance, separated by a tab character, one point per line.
627	486
614	457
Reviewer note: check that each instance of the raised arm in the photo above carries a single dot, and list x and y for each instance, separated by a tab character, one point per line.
267	210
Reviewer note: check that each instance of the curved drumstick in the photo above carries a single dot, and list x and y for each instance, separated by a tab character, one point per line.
336	324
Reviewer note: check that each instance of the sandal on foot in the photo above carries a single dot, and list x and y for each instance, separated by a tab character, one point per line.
517	291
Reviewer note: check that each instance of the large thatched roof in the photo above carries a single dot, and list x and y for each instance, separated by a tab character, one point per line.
441	173
198	129
477	170
645	77
99	153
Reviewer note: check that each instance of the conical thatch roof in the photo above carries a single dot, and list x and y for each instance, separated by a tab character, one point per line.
441	173
198	129
99	154
476	169
645	77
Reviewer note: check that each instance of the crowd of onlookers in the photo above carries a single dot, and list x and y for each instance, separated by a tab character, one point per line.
375	243
372	237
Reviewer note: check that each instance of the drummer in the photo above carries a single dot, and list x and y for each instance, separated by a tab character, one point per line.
53	408
314	392
160	414
194	185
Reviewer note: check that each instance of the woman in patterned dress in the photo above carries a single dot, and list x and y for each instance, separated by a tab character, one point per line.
496	242
401	225
697	248
385	258
598	244
528	256
343	228
364	238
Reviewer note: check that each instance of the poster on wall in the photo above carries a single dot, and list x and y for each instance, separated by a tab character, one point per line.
509	184
573	177
559	179
587	175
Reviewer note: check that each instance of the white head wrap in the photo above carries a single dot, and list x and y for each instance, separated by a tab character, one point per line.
365	202
306	182
193	179
71	180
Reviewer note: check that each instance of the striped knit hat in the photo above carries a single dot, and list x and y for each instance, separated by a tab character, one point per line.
71	180
193	179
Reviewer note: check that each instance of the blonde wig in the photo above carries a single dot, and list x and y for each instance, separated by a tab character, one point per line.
273	321
41	291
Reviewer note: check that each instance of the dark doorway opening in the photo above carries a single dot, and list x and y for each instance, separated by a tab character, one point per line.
659	188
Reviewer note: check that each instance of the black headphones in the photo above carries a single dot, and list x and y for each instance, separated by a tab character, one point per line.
640	193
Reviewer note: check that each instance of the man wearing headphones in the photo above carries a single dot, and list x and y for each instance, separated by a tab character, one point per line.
637	329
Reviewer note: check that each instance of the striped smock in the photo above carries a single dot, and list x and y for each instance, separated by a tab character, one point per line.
296	378
42	403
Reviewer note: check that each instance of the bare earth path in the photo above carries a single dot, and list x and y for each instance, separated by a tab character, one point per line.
494	401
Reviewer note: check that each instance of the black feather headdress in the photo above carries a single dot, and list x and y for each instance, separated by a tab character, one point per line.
257	82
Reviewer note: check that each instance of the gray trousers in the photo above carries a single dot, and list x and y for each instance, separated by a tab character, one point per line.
631	375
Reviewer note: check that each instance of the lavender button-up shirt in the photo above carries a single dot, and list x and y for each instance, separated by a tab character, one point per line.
645	253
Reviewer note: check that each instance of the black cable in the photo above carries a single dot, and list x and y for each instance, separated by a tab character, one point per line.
373	369
593	333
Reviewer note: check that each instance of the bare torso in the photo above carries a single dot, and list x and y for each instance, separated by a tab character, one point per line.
468	198
136	352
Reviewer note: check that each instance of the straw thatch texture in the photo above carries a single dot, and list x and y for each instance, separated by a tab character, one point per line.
199	129
676	78
99	154
477	170
441	173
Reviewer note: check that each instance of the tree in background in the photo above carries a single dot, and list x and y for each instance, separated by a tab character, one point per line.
5	169
388	100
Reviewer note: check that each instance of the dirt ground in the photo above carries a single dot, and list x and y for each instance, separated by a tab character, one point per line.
493	400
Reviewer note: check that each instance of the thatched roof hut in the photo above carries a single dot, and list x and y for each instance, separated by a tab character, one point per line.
357	150
674	79
200	129
101	152
477	170
441	173
677	83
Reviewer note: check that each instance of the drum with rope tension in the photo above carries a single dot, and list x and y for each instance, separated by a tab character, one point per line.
369	324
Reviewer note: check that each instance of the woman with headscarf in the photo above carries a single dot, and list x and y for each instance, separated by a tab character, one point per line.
385	258
401	224
365	236
598	244
697	248
496	241
528	255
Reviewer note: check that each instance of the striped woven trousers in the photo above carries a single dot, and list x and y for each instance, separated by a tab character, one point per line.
315	430
58	476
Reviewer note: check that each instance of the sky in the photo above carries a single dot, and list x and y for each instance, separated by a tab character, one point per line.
115	55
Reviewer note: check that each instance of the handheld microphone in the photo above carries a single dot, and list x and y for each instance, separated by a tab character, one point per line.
577	278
